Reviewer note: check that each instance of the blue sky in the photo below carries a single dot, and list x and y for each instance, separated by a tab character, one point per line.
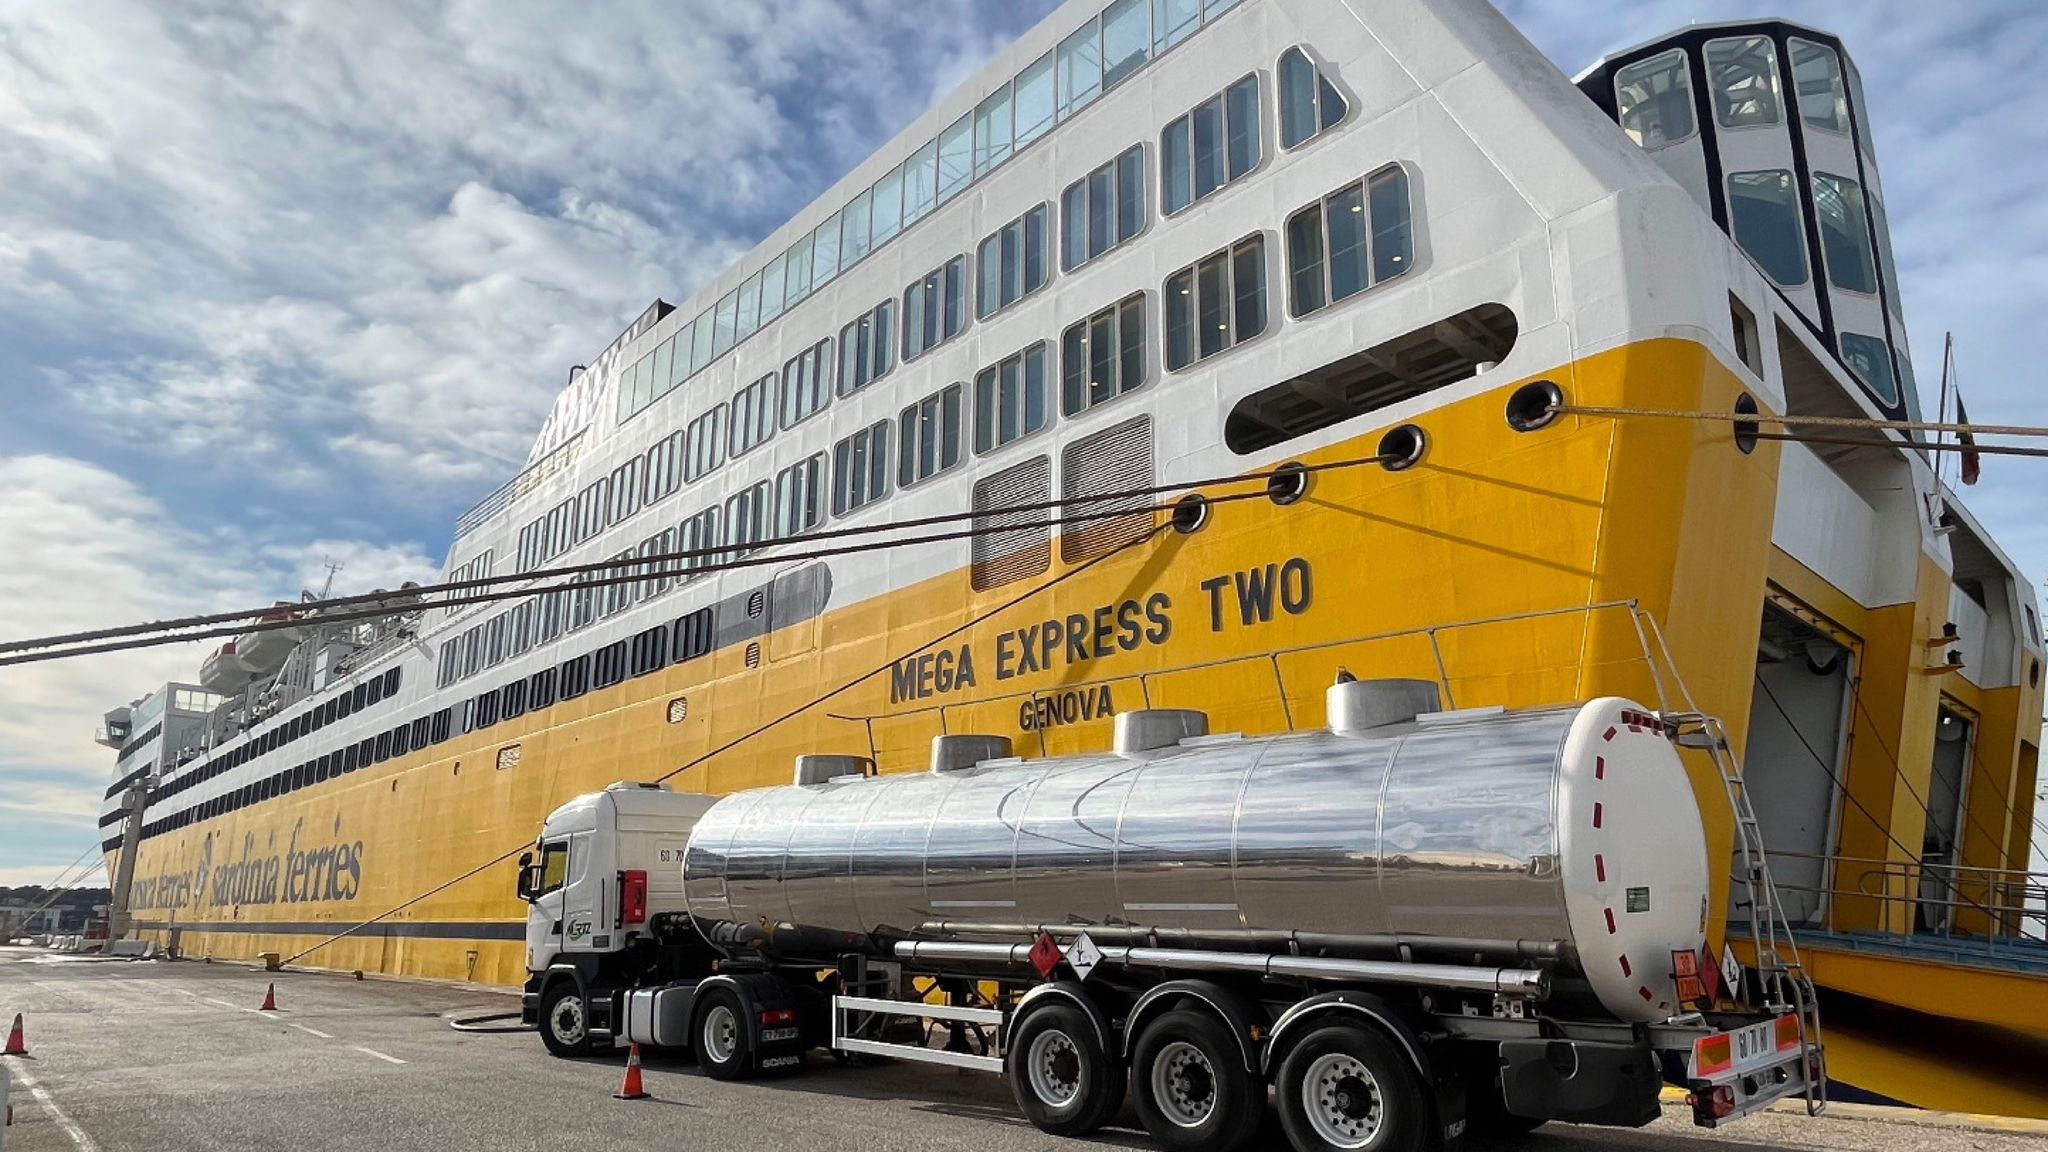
284	284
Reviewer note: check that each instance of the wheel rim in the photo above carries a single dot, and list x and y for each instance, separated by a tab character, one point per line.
566	1021
721	1034
1183	1084
1053	1066
1342	1100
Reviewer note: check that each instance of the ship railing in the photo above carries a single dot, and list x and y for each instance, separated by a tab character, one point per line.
558	458
1926	900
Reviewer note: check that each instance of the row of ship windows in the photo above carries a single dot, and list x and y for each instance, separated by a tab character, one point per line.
686	638
1219	142
338	707
1212	144
1654	98
1339	246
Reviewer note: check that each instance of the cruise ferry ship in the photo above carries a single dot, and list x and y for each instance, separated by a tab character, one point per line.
1191	354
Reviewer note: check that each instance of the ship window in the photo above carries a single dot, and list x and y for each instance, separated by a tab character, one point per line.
1116	459
1011	539
888	207
1012	263
323	768
956	163
582	603
650	651
1742	74
540	692
1103	357
806	382
1034	100
609	665
423	732
860	468
1103	209
825	252
920	182
753	415
1174	21
1871	361
935	308
626	490
1354	238
664	467
1080	69
866	348
1216	303
1453	349
383	751
1309	104
724	323
799	497
855	233
1126	40
774	296
512	699
1817	78
1844	232
928	436
746	520
994	129
1764	208
1210	147
797	276
700	539
1653	100
692	635
399	740
373	689
1009	399
707	444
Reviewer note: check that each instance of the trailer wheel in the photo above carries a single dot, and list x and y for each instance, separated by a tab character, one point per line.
1193	1091
1065	1083
1344	1088
565	1020
724	1043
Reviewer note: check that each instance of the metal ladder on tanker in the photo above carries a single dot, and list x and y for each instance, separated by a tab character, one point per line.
1782	979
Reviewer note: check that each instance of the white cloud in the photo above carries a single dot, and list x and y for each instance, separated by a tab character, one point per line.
85	548
380	234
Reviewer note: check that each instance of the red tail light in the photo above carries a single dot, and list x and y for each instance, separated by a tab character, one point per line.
1713	1104
778	1017
633	898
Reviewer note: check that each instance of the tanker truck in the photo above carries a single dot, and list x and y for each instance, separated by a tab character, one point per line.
1411	924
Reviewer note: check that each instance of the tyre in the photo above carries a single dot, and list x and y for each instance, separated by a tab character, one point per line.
1347	1088
565	1020
1065	1083
1193	1092
724	1042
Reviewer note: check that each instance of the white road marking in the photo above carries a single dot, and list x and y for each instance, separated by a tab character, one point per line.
313	1031
222	1003
83	1142
377	1054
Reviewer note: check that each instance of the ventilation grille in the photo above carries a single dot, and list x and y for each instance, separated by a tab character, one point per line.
1012	545
1113	460
679	710
508	757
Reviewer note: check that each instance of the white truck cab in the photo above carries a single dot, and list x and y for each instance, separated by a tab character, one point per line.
605	874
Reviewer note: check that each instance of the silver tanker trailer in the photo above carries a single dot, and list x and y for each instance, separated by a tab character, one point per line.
1410	924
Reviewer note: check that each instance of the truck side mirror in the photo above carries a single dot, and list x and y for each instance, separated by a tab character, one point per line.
525	888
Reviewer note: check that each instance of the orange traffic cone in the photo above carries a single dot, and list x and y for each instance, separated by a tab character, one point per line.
631	1089
269	999
16	1046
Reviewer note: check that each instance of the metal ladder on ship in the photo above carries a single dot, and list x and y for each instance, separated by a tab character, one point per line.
1782	979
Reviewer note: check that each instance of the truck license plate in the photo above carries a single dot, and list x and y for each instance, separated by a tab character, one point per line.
771	1035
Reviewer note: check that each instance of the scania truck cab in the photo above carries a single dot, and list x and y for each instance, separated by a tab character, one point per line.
603	882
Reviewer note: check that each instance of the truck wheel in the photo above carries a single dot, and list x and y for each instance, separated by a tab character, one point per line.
565	1020
1344	1087
725	1048
1063	1080
1193	1092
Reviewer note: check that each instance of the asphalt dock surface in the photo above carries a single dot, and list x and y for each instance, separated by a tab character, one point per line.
160	1056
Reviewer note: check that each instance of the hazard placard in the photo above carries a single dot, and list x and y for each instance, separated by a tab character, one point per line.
1083	955
1731	972
1045	954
